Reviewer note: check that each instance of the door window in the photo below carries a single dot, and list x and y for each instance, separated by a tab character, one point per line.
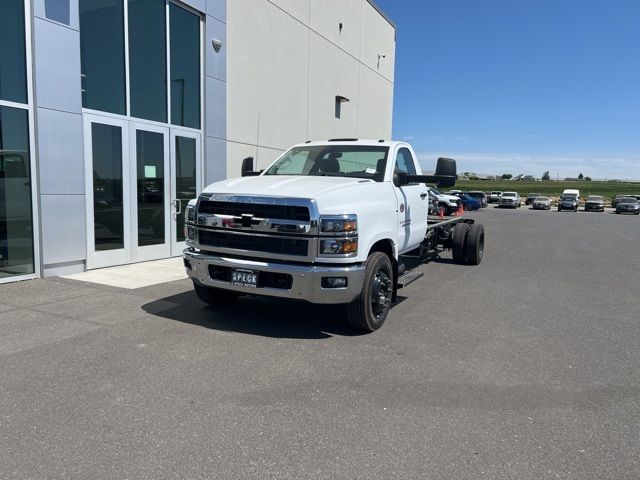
108	199
150	187
185	178
404	162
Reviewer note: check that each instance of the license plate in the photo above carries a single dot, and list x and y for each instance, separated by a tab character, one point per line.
244	278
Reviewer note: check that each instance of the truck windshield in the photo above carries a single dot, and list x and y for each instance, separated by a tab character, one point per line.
357	161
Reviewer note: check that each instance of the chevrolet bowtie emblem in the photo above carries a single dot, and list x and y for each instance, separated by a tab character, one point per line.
246	220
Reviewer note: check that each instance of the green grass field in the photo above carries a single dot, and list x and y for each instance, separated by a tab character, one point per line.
552	188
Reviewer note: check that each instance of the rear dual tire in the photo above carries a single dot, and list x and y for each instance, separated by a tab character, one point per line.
468	243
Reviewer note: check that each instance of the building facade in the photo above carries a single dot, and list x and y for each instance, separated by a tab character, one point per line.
114	113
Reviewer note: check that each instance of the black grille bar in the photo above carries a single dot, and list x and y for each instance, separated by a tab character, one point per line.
236	209
266	244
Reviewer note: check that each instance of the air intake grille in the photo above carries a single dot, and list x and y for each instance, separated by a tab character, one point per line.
236	209
265	244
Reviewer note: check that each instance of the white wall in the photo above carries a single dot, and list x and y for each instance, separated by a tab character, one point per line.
287	60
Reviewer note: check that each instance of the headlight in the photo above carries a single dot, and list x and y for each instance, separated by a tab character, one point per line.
339	224
190	213
339	246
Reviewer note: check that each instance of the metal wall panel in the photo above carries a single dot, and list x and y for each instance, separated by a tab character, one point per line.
216	62
218	9
57	67
63	229
60	152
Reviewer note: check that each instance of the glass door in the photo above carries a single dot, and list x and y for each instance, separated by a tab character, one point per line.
107	190
185	182
150	192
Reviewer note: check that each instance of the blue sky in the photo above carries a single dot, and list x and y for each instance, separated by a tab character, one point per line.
514	86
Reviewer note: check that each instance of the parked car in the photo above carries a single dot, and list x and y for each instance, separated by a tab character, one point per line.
568	202
469	203
616	199
480	196
531	197
594	203
541	203
628	205
450	203
494	197
510	200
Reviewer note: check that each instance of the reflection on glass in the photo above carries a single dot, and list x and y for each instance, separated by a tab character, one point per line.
108	213
102	55
16	226
185	67
147	59
185	178
13	70
150	193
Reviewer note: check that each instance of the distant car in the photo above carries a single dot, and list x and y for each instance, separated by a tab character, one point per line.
494	197
541	203
480	196
509	200
616	199
628	205
531	197
470	203
568	202
594	203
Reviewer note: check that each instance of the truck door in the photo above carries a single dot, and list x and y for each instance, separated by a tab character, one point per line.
413	204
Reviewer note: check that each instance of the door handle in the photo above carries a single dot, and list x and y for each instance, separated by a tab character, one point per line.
177	204
423	195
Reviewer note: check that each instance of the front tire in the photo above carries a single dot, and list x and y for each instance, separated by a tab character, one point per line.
369	311
214	296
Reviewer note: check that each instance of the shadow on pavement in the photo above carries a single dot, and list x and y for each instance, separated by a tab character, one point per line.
257	316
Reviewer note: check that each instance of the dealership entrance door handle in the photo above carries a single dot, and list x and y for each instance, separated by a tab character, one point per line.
177	204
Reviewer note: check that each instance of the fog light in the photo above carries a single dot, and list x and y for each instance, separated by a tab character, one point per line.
187	264
333	282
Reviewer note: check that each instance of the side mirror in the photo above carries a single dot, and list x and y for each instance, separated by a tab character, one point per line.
446	172
247	167
400	179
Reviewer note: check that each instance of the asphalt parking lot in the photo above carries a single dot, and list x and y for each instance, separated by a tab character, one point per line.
527	366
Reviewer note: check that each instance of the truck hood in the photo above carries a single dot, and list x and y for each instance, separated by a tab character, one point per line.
287	186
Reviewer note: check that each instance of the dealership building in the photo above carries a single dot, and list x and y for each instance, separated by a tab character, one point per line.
115	113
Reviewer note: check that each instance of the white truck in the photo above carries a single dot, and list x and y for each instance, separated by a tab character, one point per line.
332	222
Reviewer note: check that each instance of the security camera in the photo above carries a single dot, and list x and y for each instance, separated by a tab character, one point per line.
217	44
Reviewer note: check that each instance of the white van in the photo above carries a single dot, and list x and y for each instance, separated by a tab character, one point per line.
569	192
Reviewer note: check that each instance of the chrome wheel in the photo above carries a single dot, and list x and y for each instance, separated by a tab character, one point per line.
381	293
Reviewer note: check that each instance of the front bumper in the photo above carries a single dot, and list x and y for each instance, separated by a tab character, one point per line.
306	279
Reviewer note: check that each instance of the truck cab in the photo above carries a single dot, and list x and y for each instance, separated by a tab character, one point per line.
326	222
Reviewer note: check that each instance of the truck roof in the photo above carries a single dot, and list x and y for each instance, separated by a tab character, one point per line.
352	141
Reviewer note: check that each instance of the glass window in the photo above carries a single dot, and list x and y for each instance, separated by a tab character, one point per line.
102	55
58	10
404	162
16	225
13	69
148	59
150	193
333	161
185	178
108	208
185	67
